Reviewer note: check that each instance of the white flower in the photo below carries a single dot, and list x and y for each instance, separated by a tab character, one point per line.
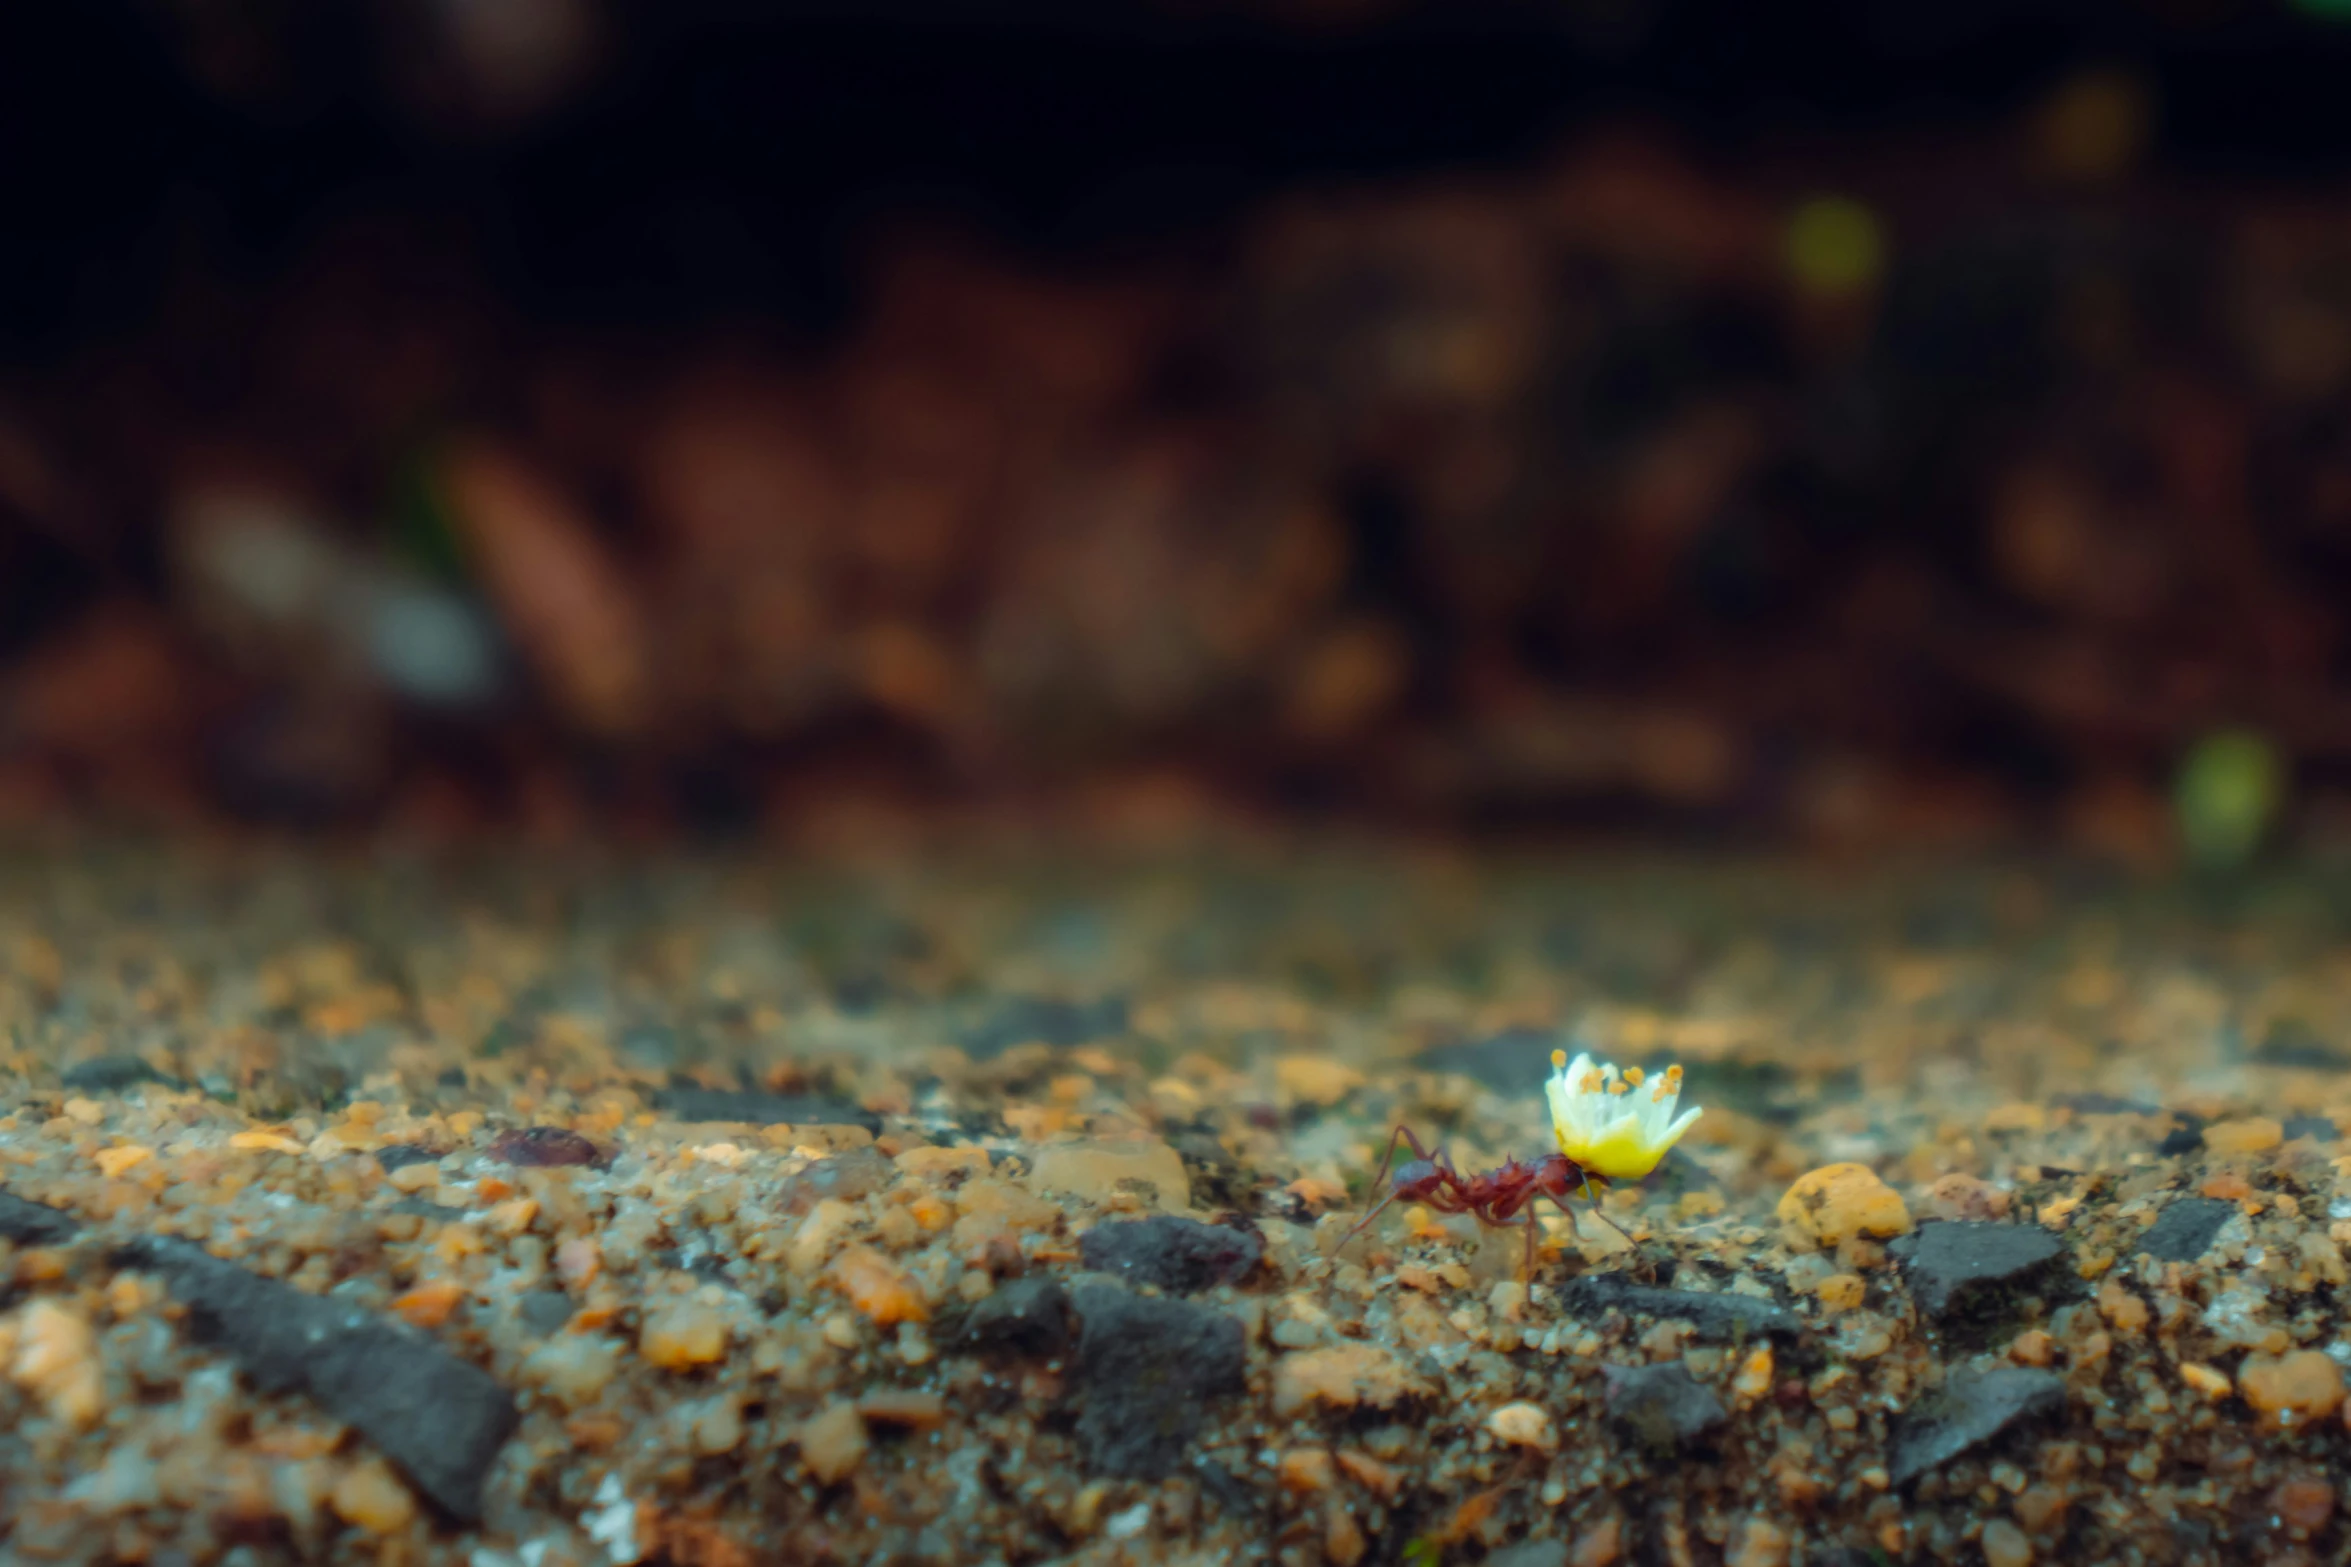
1614	1124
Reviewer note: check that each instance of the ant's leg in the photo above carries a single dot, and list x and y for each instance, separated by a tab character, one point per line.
1402	1134
1364	1223
1599	1213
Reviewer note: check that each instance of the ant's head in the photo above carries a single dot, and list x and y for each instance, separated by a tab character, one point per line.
1558	1175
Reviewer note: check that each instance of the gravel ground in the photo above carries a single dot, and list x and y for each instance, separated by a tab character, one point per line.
524	1213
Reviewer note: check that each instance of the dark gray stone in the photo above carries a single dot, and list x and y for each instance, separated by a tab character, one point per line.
1715	1316
2291	1042
110	1074
1971	1410
438	1418
2184	1230
1664	1407
1952	1264
1173	1253
35	1223
398	1156
2317	1128
761	1109
1530	1553
1145	1370
544	1312
1044	1020
1023	1317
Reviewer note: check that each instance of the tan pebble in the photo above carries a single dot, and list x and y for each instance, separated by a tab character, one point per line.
265	1142
1096	1172
680	1337
2123	1310
2291	1390
1754	1376
1305	1469
57	1360
1381	1480
939	1163
2304	1502
1523	1425
914	1345
577	1261
84	1112
2203	1379
833	1443
2017	1116
573	1367
1837	1202
717	1427
1316	1079
840	1330
1842	1291
2250	1134
930	1213
1962	1196
418	1177
513	1217
2005	1545
1342	1376
1760	1543
428	1304
113	1161
896	1229
1691	1206
371	1497
826	1226
2032	1347
1602	1545
1343	1543
2040	1507
878	1287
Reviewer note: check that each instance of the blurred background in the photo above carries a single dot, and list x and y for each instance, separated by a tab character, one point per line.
1846	424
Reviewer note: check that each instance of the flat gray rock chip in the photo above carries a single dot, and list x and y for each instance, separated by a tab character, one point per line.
34	1223
1971	1410
441	1420
1948	1263
1714	1316
2184	1230
763	1109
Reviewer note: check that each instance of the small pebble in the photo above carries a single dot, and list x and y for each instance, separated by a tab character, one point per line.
57	1361
1307	1469
2005	1545
2304	1502
1760	1543
544	1146
834	1442
1837	1202
2294	1389
1523	1425
371	1497
2252	1134
2203	1379
878	1287
680	1337
113	1161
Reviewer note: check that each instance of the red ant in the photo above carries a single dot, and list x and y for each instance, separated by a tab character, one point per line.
1494	1197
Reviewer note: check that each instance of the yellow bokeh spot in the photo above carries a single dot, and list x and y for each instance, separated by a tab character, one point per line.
1834	245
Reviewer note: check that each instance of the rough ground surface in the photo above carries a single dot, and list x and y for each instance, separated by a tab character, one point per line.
530	1214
